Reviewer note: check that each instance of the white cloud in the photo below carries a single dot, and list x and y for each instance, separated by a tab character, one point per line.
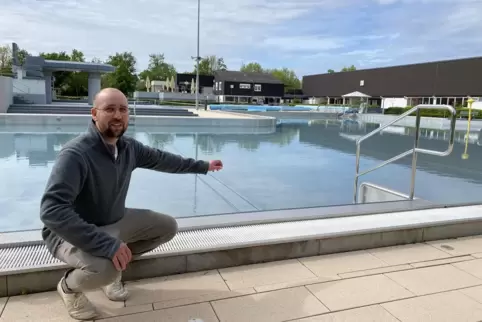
103	27
310	36
304	43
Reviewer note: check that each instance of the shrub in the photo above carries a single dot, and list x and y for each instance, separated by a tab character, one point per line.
431	112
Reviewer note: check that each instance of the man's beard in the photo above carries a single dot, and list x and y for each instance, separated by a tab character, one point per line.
111	134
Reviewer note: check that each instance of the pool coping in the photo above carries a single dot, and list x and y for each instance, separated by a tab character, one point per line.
233	120
206	249
33	236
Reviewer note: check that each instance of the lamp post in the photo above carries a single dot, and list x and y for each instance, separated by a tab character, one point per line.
197	56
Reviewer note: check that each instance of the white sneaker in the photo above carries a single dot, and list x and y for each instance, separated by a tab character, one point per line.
116	291
77	304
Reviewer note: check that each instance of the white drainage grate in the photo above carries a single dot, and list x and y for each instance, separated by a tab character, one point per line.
22	259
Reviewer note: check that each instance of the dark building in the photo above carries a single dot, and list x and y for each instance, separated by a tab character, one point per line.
294	94
442	82
184	81
241	87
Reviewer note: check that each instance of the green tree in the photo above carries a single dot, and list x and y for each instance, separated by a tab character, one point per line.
209	64
348	69
22	55
62	76
157	69
287	76
124	78
69	83
252	67
5	60
331	71
77	82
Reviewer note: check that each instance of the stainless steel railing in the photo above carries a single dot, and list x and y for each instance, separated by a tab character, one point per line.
413	151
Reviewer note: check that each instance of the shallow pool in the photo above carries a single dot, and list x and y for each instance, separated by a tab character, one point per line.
297	165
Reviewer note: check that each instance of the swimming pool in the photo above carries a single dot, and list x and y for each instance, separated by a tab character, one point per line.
300	164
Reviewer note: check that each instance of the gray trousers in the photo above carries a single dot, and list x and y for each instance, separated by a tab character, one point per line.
142	230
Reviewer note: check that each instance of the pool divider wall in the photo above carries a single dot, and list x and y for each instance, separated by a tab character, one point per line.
151	266
59	120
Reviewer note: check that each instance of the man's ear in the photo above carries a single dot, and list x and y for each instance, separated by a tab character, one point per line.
93	112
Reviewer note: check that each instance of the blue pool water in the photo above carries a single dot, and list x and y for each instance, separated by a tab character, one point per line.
268	108
302	164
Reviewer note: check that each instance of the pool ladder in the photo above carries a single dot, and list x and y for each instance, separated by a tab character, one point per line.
413	151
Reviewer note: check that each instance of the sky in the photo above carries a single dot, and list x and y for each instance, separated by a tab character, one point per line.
308	36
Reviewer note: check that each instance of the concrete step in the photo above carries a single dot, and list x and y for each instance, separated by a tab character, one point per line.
59	109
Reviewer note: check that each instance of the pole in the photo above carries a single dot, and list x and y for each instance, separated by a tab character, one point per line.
465	155
414	154
195	177
197	56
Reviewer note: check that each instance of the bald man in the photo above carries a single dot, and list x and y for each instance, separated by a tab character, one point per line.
86	224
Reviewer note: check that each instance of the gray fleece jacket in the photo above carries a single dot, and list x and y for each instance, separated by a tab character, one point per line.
87	188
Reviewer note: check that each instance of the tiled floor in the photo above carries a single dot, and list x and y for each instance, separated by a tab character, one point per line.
437	281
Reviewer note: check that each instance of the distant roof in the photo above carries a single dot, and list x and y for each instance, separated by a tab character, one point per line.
356	94
59	65
236	76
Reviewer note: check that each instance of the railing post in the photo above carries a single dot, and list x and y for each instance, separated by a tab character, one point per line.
413	151
357	169
414	154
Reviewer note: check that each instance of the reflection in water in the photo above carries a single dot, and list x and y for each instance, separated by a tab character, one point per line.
298	165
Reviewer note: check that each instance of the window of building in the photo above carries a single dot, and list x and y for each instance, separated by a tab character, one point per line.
245	86
257	87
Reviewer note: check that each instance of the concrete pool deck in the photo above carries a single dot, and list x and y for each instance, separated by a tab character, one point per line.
204	118
432	281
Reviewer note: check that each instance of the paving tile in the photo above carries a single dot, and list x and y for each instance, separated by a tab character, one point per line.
203	298
49	307
330	266
39	307
197	312
263	274
174	287
374	313
459	246
280	286
441	307
355	292
108	308
281	305
376	271
473	267
406	254
477	255
434	279
442	261
3	301
473	292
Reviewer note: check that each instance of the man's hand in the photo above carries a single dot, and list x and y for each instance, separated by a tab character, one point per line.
215	165
122	257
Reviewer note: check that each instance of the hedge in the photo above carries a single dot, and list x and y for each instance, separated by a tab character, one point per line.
476	114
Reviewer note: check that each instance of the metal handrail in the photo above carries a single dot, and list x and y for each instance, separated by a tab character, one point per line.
383	189
413	151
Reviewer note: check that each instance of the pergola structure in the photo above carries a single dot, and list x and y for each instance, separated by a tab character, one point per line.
361	97
36	67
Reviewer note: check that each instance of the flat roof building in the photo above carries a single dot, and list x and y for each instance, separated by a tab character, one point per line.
441	82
